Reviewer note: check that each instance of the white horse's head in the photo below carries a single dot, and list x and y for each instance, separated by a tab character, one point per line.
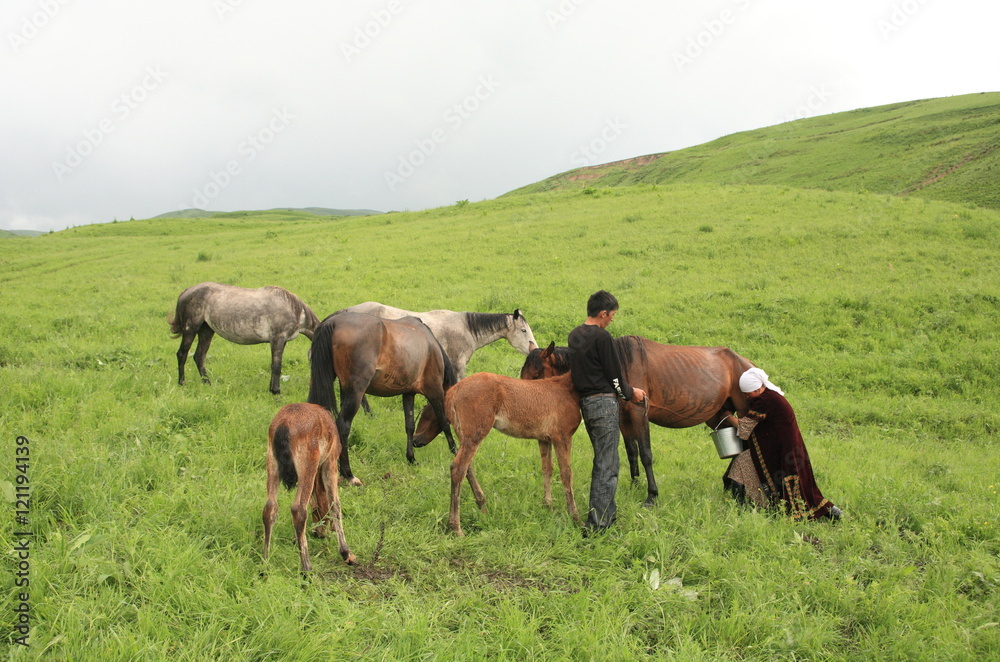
519	334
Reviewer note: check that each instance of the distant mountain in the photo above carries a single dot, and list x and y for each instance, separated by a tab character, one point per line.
315	211
944	149
20	233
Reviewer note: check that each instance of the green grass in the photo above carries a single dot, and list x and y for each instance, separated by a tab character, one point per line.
943	149
876	314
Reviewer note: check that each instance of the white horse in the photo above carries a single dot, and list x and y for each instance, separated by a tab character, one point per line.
246	317
461	334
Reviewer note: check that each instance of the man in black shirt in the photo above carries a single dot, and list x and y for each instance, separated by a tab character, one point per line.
597	376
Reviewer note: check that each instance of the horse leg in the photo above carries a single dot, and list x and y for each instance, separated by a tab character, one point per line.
303	496
460	470
271	506
182	354
408	417
205	333
329	479
350	401
635	429
630	435
563	448
321	504
277	349
545	449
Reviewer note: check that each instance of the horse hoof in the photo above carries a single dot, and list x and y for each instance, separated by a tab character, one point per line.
351	560
649	503
355	481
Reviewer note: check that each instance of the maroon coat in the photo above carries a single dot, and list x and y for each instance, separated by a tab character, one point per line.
780	457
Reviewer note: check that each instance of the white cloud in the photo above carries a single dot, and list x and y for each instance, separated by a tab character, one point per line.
370	82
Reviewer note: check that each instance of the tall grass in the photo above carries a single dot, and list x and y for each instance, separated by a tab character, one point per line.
877	315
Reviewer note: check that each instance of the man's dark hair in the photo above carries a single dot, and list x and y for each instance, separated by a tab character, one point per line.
599	301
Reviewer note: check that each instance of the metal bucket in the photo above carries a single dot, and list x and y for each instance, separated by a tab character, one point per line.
727	444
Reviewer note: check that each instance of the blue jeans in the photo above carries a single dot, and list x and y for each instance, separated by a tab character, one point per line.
600	415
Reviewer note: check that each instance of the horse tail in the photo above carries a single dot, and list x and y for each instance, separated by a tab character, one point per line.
190	303
450	376
281	444
322	369
176	321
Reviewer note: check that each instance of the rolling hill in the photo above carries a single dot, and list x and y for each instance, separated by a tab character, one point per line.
944	149
314	211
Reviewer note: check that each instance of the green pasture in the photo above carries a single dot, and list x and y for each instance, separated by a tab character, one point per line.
878	316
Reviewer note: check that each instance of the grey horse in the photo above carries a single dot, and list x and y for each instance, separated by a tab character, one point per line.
243	316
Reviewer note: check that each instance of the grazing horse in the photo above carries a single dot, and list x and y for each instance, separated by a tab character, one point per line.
381	357
247	317
684	386
547	410
460	334
302	447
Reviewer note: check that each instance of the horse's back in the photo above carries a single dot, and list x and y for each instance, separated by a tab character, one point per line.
526	409
250	316
376	309
304	421
691	382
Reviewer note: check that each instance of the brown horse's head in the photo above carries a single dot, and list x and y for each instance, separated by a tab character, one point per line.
545	363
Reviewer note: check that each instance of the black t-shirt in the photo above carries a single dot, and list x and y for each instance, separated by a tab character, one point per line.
595	365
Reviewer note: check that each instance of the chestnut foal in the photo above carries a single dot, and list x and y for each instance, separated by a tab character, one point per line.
546	409
303	447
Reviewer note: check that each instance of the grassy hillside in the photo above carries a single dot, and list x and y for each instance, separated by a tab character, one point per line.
943	149
878	317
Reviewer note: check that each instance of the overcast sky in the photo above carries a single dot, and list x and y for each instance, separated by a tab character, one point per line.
130	108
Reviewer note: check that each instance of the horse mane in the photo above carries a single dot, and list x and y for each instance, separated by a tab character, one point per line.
483	324
631	350
321	367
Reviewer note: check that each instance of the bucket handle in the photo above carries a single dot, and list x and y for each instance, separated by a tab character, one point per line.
721	422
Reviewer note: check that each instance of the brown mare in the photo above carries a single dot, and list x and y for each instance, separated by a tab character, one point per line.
684	385
547	410
302	447
246	317
379	357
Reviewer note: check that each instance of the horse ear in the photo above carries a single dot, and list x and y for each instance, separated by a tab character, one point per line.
547	352
518	314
